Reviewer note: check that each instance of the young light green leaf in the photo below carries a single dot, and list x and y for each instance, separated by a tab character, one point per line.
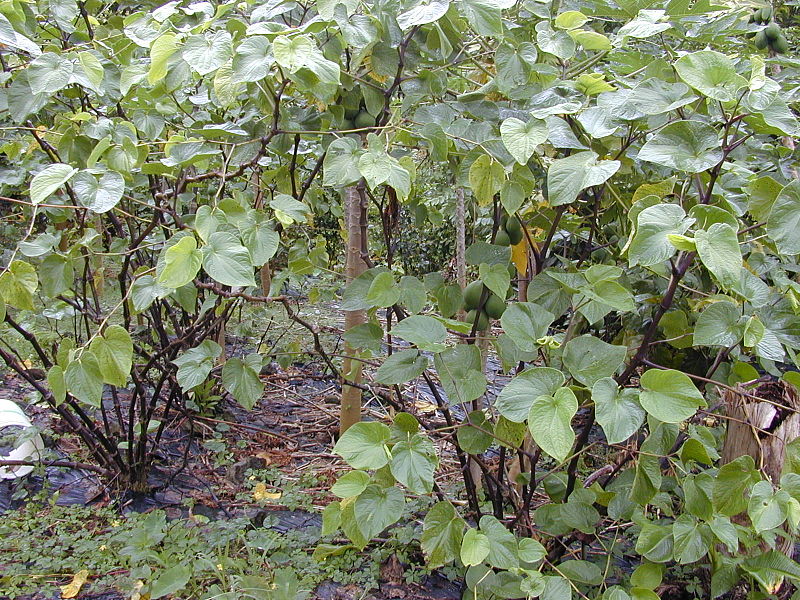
669	395
227	261
474	547
617	411
48	180
521	138
114	352
240	379
182	261
550	422
718	249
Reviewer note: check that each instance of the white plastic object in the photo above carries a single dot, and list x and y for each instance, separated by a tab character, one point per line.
12	415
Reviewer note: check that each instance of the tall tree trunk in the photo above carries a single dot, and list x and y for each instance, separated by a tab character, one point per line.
355	222
461	244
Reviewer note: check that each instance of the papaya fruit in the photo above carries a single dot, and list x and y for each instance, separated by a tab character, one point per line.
364	120
495	307
514	230
482	317
502	238
761	40
472	295
781	45
772	32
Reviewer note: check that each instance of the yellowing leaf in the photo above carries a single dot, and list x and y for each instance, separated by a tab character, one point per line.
519	256
73	588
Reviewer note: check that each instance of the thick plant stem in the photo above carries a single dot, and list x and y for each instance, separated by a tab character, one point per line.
351	396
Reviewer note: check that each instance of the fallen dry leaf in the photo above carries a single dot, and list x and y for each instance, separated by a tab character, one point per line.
260	493
73	588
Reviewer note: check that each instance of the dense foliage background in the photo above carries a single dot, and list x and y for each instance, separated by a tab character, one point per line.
624	174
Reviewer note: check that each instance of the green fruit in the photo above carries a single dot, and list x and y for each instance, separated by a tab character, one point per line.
483	319
351	113
364	120
472	295
502	238
781	45
514	230
347	124
752	18
761	40
495	307
757	16
766	13
772	32
513	224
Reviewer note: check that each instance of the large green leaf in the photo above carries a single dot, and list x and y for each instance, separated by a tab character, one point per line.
589	358
526	323
718	325
689	146
460	373
48	180
363	445
413	463
651	244
442	532
617	410
207	52
718	249
767	508
503	547
240	379
567	177
474	547
731	485
401	367
253	59
669	395
340	165
160	52
378	167
182	261
227	261
783	222
516	398
376	508
550	422
18	283
99	195
84	378
521	138
486	176
424	332
712	74
422	13
114	352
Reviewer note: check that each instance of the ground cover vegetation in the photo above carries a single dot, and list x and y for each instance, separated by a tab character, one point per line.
543	253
